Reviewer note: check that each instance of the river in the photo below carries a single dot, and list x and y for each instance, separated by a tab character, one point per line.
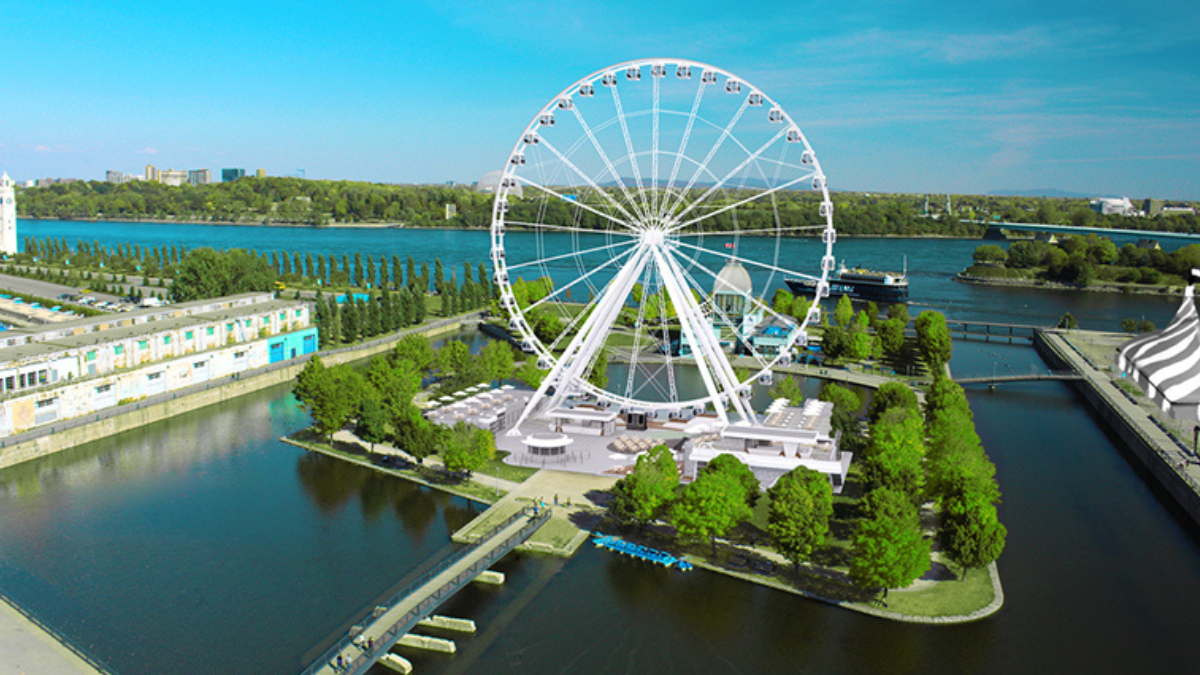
202	544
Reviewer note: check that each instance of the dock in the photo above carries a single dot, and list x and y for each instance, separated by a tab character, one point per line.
389	623
1133	418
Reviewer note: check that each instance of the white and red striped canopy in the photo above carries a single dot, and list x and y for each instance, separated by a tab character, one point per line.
1166	363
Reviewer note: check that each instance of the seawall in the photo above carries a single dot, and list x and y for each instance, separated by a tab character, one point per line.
60	436
1157	452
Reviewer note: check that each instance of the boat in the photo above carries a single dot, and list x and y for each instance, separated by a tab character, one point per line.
618	545
859	284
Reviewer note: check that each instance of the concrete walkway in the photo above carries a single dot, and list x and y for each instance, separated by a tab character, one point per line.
26	649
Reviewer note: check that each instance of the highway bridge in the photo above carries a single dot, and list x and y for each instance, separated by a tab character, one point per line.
1180	238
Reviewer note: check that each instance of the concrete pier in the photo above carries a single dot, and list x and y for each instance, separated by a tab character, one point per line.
398	664
448	623
427	643
491	578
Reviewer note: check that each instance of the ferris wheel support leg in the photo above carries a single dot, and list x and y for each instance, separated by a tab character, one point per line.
695	332
590	337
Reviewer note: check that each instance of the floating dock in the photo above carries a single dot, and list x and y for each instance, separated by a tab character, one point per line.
618	545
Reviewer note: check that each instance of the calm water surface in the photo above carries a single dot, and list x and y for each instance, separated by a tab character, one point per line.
202	544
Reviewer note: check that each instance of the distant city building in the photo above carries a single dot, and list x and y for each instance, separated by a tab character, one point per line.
199	177
451	211
1120	207
151	172
1178	210
261	173
8	216
230	175
43	182
1152	207
172	177
118	176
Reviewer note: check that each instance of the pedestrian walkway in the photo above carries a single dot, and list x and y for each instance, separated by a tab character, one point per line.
28	649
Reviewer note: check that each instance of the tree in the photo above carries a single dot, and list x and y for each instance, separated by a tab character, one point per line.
333	397
1068	322
709	507
466	448
645	493
844	312
895	454
372	422
944	394
891	337
933	340
307	381
846	404
730	465
787	388
800	508
990	254
207	273
414	434
899	311
457	364
888	548
496	361
416	350
530	374
598	375
970	533
891	395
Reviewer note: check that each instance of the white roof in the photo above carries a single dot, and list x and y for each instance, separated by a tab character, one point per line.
745	431
548	440
584	414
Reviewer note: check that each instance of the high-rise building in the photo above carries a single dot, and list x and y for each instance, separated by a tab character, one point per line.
8	216
118	176
261	173
199	177
172	177
151	172
230	175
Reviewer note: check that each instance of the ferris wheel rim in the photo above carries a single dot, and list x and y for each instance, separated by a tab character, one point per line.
544	352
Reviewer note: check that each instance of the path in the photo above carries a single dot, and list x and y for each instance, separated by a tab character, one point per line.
27	649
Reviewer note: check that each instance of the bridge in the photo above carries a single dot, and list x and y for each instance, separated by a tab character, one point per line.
1181	238
389	622
993	380
987	331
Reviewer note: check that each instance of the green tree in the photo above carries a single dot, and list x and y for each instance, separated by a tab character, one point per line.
891	337
414	434
895	454
846	404
307	381
899	311
415	350
800	507
466	448
598	375
496	361
891	395
844	312
970	533
933	340
207	273
333	397
645	493
730	465
888	549
530	374
990	254
787	388
944	394
708	508
372	422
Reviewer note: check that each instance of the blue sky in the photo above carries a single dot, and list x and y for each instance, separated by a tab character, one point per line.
1090	97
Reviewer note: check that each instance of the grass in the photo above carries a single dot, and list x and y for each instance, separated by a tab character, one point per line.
946	598
496	467
556	532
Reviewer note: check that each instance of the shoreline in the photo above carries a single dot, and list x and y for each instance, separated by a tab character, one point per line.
1102	287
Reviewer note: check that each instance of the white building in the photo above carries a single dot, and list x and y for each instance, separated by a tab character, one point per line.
78	367
1121	207
172	177
8	216
789	437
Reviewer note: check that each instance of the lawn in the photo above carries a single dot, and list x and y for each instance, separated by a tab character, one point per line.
497	468
945	598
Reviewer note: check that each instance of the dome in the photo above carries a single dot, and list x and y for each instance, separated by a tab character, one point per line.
490	184
733	279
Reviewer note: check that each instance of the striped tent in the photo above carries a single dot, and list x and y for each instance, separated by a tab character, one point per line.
1166	363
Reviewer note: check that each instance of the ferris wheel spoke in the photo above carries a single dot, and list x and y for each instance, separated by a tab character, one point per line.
747	261
661	293
582	278
598	212
612	170
738	233
733	172
723	209
572	253
630	219
725	133
637	330
564	228
683	142
654	152
633	162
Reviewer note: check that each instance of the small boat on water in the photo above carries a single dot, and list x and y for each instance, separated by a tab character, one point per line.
859	284
631	549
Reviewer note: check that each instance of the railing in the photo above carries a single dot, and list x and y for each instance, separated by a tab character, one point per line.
426	606
87	658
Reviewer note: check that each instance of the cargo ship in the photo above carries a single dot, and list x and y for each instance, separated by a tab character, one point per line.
859	284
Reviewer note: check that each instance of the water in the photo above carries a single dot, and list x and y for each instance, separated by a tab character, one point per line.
931	262
203	544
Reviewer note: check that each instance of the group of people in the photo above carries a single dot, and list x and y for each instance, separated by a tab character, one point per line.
366	644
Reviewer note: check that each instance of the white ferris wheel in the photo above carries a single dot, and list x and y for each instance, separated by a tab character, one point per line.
638	222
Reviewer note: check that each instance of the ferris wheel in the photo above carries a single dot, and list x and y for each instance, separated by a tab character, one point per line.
638	222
